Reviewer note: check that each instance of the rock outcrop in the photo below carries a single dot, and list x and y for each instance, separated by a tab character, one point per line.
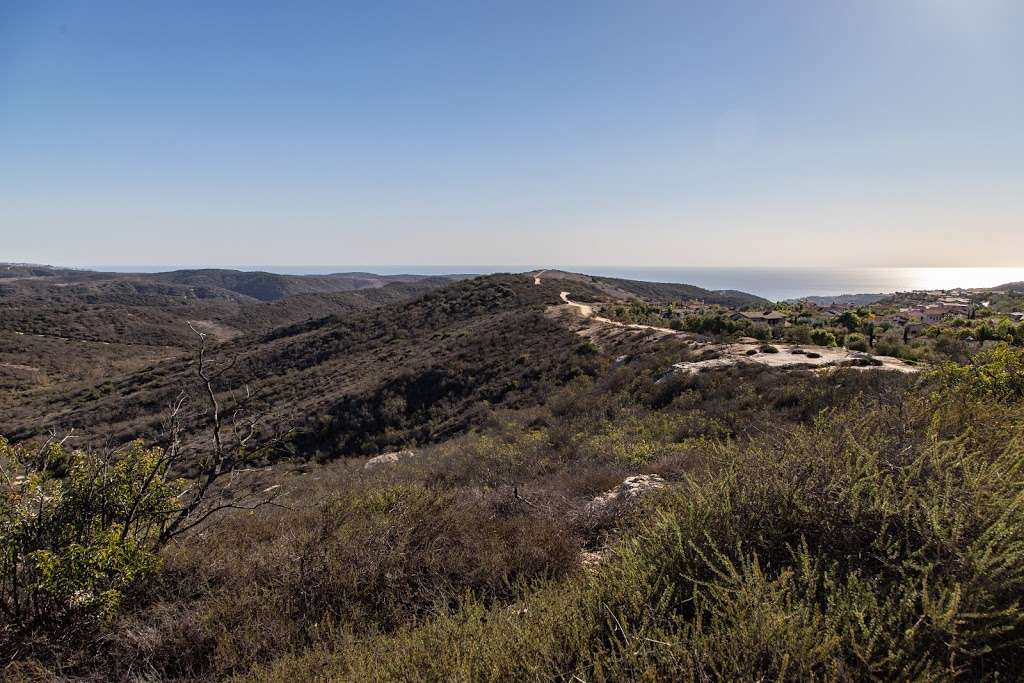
387	459
629	491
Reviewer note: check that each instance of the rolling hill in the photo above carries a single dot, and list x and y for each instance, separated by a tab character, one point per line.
655	292
386	376
386	363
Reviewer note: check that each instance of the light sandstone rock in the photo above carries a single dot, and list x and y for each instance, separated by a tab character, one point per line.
387	459
629	491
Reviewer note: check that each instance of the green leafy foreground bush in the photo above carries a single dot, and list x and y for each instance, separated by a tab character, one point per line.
866	545
76	532
995	374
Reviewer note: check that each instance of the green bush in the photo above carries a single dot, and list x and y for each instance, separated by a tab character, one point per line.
886	347
996	373
710	323
760	331
823	337
77	531
856	342
801	334
850	320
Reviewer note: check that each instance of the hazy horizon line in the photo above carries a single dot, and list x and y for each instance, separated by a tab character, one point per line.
489	266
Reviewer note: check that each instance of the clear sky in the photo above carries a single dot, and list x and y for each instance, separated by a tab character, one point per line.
852	132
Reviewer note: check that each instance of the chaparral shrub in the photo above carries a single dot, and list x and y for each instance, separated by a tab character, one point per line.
77	531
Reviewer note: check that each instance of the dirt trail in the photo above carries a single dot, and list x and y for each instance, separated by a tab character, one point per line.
15	366
587	311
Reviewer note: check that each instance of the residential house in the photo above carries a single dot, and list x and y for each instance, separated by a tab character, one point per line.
934	314
771	318
898	319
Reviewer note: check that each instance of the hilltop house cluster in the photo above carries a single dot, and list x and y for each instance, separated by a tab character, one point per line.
913	312
981	314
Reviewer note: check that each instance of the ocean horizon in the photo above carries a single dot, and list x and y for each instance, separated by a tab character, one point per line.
775	283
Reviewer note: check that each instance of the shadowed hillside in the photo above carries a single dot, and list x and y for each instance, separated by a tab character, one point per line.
388	376
64	326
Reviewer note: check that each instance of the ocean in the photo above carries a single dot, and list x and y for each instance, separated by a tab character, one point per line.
772	283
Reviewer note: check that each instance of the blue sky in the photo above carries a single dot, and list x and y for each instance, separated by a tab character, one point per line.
627	133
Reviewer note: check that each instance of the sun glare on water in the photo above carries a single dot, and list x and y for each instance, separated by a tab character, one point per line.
949	278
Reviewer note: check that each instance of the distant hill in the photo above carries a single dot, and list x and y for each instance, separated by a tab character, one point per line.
22	270
257	285
843	299
1011	287
60	325
151	308
265	286
671	291
657	291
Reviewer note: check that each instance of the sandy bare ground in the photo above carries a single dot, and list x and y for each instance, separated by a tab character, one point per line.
218	330
828	356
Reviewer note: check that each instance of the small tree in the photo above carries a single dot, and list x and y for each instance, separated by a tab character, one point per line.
850	320
869	332
233	441
984	333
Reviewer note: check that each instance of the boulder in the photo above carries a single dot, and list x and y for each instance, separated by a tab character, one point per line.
629	491
387	459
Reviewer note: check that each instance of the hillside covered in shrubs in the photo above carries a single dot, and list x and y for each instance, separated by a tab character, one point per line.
836	525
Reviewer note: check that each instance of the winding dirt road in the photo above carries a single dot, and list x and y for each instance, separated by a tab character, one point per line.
587	311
